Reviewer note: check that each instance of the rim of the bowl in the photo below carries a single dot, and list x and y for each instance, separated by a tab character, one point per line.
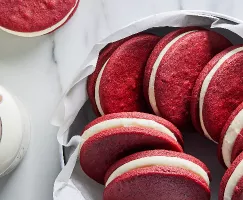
63	160
215	14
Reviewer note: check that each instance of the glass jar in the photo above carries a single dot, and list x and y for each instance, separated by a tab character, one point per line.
14	132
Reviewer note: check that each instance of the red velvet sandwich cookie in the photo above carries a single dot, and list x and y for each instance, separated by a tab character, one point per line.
157	175
112	137
217	92
118	87
173	68
103	57
231	186
30	18
231	144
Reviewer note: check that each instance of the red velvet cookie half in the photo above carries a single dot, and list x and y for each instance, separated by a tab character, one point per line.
157	174
173	68
119	84
112	137
218	92
103	58
231	186
30	18
231	140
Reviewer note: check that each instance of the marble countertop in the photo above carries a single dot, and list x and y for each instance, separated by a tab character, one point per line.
38	70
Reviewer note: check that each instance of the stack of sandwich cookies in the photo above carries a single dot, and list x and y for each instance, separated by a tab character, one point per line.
31	18
190	74
231	186
217	92
119	84
173	68
231	141
157	175
112	137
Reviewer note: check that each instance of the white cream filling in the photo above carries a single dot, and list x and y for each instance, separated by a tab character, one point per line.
43	32
97	89
151	90
230	136
206	83
126	122
159	161
233	181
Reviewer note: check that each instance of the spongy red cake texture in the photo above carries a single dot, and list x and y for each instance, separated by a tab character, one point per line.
138	115
150	153
157	182
179	69
226	177
32	15
238	145
194	106
121	84
155	53
224	94
102	150
103	57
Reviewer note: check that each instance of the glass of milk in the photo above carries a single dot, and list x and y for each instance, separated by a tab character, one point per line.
14	132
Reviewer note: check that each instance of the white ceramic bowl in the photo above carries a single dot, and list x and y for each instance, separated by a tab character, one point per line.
14	132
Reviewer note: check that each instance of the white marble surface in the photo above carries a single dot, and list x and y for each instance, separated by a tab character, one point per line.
96	19
28	70
36	69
